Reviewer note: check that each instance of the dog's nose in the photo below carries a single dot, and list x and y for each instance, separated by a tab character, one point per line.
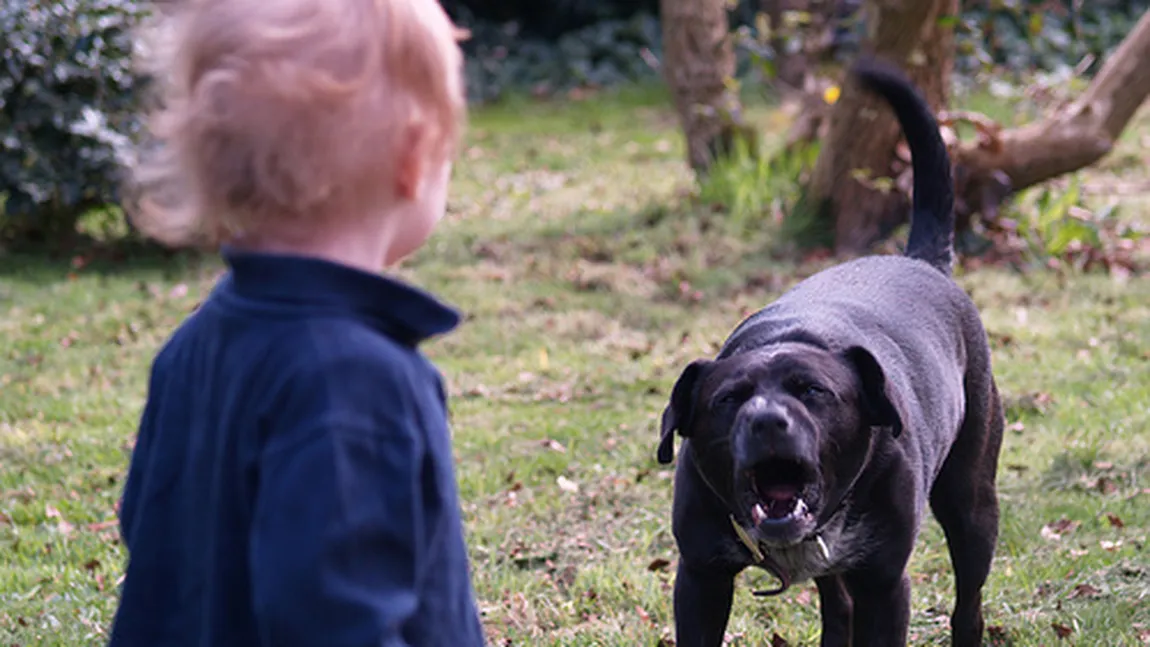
771	422
768	431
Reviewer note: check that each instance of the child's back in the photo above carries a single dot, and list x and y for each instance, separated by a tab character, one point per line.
269	502
292	481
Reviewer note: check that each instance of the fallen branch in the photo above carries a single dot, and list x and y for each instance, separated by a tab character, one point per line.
1074	136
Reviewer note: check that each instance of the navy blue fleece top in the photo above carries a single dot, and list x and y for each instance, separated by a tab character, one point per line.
292	482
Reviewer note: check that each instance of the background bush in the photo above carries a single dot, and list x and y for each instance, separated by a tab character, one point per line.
68	100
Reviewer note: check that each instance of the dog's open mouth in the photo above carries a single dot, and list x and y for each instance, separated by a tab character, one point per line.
778	488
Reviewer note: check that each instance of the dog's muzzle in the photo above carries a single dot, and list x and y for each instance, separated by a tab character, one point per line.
776	475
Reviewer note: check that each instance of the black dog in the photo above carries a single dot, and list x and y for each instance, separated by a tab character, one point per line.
829	419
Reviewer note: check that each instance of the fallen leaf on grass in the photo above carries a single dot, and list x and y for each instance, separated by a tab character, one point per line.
1107	485
658	564
102	525
1085	591
1054	530
997	633
1110	546
1115	520
1062	630
779	641
5	519
92	564
567	485
644	615
554	445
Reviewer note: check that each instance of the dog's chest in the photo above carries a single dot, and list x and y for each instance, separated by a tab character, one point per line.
808	560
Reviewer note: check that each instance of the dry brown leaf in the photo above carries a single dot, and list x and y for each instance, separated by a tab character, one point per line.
1107	486
1062	630
1054	530
997	633
1115	520
1085	591
658	564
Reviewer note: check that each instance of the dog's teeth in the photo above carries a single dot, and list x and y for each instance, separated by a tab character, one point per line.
758	515
800	508
823	547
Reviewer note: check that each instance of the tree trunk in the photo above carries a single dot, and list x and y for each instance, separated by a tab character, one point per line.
1074	136
698	59
863	133
791	65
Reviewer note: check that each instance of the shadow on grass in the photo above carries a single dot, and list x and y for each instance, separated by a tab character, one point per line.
47	263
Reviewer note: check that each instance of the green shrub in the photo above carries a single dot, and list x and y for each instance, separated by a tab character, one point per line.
501	58
1038	34
68	100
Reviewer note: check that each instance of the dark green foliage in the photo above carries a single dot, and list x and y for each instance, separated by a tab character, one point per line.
67	110
1025	35
547	20
606	53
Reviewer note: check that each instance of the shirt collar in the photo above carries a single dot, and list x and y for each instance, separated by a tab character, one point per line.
403	310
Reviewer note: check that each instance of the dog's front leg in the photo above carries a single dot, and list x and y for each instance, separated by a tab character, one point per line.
836	608
881	608
702	605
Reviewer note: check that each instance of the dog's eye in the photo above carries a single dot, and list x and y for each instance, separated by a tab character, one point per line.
806	390
730	397
813	391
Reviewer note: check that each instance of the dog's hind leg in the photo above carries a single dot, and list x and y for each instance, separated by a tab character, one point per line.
965	502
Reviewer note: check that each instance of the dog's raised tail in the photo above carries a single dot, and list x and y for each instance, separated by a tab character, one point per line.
932	217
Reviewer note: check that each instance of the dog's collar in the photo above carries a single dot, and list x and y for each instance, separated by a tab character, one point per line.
764	559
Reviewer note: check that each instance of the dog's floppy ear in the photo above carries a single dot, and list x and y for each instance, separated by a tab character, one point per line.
880	404
677	415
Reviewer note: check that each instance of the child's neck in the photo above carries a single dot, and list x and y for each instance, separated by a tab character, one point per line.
367	248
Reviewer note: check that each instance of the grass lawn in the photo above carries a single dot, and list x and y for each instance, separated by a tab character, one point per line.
588	282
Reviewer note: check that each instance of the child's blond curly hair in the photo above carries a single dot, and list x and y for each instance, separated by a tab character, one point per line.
284	113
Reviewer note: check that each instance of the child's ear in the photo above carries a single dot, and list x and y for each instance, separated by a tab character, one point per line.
411	165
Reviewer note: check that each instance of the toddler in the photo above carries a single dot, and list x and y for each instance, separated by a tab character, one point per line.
292	482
